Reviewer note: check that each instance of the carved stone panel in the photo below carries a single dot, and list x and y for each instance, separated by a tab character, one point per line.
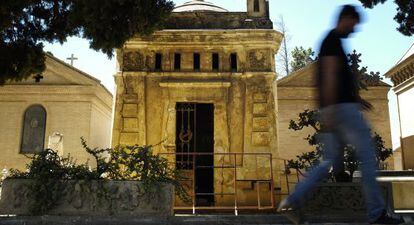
258	60
261	124
341	199
259	109
260	97
130	110
93	198
134	61
261	138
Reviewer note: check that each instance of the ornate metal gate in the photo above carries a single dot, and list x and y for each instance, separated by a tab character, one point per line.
186	131
195	134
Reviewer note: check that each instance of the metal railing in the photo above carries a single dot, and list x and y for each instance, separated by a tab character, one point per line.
237	169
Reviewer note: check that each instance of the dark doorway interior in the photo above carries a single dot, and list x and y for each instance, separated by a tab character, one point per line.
195	133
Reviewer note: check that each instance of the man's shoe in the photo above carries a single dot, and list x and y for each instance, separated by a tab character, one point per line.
291	212
387	219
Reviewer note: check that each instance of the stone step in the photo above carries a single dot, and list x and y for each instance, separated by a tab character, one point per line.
176	220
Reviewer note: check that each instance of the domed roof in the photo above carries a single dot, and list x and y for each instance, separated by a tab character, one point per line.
199	6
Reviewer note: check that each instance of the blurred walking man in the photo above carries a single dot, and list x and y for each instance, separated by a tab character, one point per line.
343	122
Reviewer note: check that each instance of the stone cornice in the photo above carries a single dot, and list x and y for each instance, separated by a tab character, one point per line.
402	72
212	38
407	84
198	75
310	93
185	84
74	91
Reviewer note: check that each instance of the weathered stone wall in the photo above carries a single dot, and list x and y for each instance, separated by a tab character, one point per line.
217	20
92	198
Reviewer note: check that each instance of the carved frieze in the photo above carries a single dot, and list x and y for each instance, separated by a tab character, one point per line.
133	61
340	199
258	60
92	198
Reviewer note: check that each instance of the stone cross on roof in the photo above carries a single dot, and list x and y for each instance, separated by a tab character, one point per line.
72	58
37	78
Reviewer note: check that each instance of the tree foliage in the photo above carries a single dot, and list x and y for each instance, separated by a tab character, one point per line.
301	58
311	119
365	78
404	16
25	24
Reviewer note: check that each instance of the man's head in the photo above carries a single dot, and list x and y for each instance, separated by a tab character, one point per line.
348	18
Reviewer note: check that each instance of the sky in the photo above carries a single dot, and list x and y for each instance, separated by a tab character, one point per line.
380	44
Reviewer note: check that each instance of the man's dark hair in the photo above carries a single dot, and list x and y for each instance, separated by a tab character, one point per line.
349	11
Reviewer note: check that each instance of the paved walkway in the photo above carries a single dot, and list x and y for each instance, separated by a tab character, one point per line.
177	220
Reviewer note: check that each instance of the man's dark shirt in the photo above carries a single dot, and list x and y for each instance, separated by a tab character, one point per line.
346	88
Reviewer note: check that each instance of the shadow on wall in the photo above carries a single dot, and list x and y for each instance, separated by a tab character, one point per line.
408	152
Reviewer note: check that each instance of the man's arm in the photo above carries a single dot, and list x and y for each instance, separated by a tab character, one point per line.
330	67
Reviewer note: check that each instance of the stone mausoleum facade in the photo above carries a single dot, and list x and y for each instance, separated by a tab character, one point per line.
204	84
204	92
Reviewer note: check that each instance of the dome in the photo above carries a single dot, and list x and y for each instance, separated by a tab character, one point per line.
199	6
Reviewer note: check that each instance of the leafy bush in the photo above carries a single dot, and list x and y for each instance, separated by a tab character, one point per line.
137	163
49	173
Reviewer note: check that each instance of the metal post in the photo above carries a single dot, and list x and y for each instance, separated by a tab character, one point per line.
235	184
271	182
287	177
194	187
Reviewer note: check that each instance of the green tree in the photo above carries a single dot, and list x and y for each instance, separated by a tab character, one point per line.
404	16
310	118
26	24
301	57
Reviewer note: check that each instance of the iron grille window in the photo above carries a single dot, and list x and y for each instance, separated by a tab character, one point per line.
233	62
158	62
196	61
177	61
216	62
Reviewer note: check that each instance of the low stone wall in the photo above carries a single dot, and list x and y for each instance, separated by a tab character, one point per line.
93	198
339	199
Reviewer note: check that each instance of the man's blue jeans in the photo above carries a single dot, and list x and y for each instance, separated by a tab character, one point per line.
349	127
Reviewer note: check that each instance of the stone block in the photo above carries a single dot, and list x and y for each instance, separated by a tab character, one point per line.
261	138
130	125
260	97
341	199
130	98
128	139
130	110
259	109
402	195
261	124
93	198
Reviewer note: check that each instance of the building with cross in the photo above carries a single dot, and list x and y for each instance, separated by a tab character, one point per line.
53	110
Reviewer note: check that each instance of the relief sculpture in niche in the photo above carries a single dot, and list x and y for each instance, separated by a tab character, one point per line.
134	61
258	61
